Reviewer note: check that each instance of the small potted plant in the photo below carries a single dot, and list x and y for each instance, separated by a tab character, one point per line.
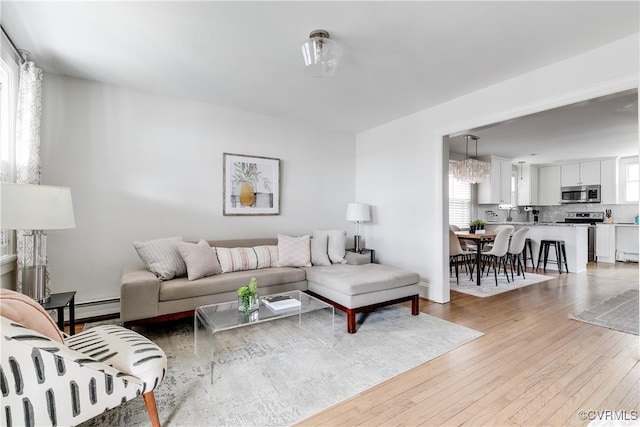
248	297
477	226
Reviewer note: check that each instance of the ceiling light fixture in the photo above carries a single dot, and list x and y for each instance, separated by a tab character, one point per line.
320	54
470	170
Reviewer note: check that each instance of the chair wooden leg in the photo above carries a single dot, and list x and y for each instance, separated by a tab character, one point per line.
150	403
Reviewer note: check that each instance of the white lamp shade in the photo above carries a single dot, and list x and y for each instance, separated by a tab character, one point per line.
35	207
358	212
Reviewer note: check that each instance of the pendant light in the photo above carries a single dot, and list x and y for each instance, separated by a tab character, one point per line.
320	54
470	169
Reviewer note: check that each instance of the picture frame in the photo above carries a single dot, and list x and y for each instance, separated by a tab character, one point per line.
251	185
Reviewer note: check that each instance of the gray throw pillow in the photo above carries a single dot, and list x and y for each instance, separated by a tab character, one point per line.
162	257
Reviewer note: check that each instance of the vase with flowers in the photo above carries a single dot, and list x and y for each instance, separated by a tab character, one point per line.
248	297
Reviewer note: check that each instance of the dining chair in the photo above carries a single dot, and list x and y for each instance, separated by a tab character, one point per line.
516	246
498	254
465	245
488	246
456	252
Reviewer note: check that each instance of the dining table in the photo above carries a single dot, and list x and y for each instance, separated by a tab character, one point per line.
479	240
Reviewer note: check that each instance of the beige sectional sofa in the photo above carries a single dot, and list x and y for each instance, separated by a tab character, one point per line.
354	287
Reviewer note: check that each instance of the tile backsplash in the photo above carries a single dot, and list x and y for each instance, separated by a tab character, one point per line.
621	213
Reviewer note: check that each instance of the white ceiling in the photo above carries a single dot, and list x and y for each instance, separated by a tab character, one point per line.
603	127
399	57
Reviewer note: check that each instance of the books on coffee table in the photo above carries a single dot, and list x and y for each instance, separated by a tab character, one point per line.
281	302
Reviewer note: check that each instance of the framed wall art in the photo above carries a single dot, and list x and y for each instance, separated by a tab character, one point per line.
251	185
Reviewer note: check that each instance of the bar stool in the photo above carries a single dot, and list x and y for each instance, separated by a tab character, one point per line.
527	244
561	254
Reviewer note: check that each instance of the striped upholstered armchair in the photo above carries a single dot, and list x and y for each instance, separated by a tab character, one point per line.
46	381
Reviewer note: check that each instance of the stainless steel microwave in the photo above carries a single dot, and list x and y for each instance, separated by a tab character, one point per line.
581	194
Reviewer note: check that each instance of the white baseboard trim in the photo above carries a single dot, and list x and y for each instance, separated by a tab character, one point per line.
423	289
86	310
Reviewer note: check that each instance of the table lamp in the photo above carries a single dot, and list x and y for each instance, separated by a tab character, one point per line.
35	208
358	212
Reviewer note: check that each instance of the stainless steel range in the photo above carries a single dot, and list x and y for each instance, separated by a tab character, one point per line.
591	218
584	217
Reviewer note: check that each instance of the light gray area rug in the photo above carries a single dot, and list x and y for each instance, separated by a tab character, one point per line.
488	286
275	373
619	313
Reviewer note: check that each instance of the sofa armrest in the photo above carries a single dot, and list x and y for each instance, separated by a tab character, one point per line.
354	258
139	293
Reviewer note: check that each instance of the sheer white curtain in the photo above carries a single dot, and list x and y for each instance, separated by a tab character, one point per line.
28	114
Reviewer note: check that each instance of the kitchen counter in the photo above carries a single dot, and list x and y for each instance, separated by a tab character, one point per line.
574	235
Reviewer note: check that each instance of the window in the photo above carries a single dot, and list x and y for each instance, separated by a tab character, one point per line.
629	180
9	72
459	202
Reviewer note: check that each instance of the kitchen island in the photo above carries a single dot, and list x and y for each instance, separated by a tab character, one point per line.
574	235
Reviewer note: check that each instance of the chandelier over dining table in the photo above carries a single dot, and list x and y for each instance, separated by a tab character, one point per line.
470	169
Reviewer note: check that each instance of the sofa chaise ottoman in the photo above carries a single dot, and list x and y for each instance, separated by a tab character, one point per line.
361	288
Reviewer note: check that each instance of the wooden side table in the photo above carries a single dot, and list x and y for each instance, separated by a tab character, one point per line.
371	252
59	302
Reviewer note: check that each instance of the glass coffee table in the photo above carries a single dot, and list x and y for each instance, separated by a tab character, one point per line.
214	318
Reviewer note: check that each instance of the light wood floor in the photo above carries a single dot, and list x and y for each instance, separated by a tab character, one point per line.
533	366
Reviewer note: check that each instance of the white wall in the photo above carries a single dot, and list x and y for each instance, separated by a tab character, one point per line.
143	166
400	165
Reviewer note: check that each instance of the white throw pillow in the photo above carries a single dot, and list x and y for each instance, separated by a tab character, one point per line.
237	259
200	259
336	245
162	257
319	248
294	251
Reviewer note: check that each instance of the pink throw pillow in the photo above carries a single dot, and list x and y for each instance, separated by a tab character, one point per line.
294	251
27	312
200	259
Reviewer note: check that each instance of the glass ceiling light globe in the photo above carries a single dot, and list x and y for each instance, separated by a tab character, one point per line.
321	54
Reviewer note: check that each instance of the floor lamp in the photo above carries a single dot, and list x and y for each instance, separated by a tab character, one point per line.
35	208
358	212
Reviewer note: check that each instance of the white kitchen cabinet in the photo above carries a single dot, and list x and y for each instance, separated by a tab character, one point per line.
627	242
616	242
606	243
608	193
549	182
527	185
498	189
584	173
570	174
